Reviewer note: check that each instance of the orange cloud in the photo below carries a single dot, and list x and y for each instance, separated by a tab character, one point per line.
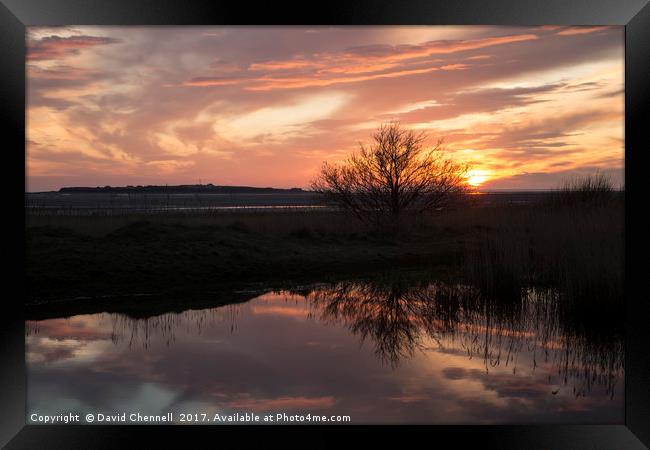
447	47
363	63
360	68
285	65
454	67
401	53
581	30
210	81
301	82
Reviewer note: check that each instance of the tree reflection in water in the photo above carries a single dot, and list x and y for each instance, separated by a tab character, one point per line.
400	319
583	341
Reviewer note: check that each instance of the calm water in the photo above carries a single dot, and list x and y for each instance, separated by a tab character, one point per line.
431	354
56	203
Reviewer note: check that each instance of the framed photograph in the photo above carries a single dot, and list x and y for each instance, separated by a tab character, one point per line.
388	220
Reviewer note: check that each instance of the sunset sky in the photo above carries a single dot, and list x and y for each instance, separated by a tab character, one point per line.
265	106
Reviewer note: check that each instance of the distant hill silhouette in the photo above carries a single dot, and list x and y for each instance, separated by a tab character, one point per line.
178	189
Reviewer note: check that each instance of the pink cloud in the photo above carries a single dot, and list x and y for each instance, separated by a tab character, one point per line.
283	403
355	65
57	47
279	311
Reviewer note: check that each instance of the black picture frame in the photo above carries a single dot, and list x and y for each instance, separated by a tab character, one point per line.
15	15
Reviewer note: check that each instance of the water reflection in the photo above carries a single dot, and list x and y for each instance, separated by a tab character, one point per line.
384	352
400	319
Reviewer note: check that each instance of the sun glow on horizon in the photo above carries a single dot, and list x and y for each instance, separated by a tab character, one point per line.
476	177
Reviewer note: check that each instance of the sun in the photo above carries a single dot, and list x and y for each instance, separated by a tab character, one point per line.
476	177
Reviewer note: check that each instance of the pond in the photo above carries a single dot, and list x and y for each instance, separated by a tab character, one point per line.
384	353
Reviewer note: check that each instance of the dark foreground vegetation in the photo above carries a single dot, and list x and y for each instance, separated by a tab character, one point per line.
568	241
107	256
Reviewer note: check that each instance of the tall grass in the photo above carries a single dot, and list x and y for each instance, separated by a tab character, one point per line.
572	243
589	190
400	317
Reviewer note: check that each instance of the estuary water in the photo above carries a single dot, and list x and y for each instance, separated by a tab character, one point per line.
376	353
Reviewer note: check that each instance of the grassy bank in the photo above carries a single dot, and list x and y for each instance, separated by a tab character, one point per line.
91	258
577	247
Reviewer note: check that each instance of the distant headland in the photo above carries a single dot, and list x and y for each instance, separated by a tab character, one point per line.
178	189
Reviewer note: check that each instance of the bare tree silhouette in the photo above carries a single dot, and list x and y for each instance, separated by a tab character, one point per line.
393	176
